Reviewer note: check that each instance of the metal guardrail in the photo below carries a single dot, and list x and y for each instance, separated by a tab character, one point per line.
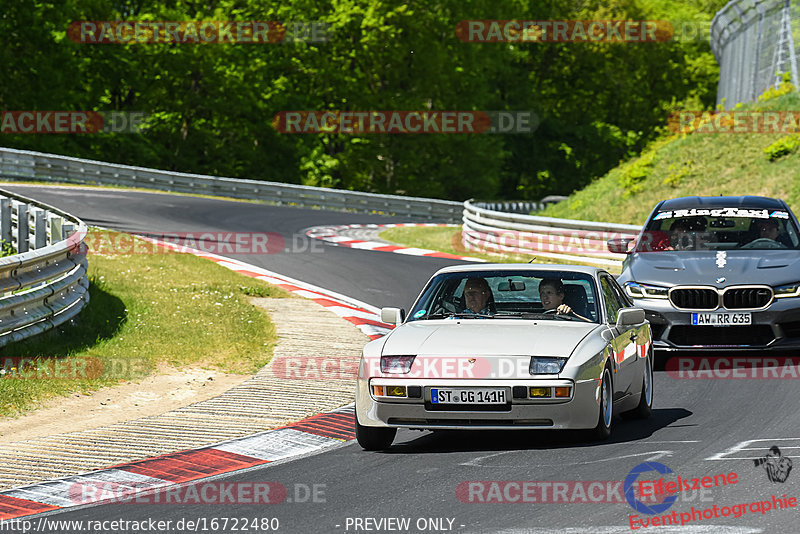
519	206
560	239
45	284
27	165
754	45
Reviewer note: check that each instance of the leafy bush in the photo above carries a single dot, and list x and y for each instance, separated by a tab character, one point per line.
632	175
784	146
785	87
675	177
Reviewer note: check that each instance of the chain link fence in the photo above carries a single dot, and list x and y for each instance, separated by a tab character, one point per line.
754	42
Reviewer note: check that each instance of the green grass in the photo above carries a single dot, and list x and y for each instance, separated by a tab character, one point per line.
694	164
146	310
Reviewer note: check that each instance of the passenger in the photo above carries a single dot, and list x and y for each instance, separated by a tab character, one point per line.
477	296
683	234
551	292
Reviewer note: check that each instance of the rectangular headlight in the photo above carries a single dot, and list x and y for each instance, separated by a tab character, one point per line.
787	290
645	291
546	366
396	364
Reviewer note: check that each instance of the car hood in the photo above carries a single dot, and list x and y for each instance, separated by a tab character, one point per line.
705	267
502	337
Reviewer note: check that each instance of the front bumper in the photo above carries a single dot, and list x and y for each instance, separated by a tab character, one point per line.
579	412
775	328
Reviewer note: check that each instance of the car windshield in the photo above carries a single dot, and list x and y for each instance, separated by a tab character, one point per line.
508	294
719	229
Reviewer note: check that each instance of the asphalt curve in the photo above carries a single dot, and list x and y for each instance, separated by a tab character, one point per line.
439	482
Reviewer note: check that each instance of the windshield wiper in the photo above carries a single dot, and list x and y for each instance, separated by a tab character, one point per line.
517	315
461	315
534	315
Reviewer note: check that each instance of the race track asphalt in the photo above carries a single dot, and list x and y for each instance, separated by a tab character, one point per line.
699	427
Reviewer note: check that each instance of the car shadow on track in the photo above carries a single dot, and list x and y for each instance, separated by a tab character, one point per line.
441	441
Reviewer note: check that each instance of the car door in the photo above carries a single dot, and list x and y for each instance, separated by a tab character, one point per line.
623	339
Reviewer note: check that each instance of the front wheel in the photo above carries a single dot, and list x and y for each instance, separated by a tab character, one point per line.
372	438
645	407
603	429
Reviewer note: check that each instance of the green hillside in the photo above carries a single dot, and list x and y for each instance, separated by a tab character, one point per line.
695	164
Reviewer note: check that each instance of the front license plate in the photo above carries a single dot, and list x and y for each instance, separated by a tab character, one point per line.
468	396
721	319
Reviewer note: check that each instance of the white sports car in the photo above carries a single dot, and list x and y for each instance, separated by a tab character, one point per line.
503	346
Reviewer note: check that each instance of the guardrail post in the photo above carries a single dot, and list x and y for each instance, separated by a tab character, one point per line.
39	228
56	224
67	229
5	219
22	228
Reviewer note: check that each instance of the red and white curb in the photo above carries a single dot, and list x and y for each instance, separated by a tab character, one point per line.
128	483
304	437
331	234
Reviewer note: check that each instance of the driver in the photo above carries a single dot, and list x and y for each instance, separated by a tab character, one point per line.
768	229
551	291
476	296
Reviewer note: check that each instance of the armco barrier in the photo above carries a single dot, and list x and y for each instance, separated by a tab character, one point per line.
45	284
561	239
26	165
483	229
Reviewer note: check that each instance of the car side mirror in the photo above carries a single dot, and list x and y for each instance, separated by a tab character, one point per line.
393	316
619	245
630	316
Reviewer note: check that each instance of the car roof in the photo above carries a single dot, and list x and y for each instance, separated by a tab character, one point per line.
747	201
480	267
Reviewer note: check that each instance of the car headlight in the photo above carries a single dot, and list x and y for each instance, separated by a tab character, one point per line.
645	291
396	364
787	290
546	366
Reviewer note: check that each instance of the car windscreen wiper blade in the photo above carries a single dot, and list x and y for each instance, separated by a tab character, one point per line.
532	315
462	315
526	315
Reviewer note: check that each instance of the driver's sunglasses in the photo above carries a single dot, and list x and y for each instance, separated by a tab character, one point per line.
474	293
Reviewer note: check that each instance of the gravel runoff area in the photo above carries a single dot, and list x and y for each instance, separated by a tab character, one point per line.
280	393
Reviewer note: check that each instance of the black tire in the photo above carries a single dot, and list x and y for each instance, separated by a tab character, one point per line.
373	438
604	419
645	407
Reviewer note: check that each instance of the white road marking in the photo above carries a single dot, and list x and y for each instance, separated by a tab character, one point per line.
742	446
79	489
277	444
676	441
653	455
